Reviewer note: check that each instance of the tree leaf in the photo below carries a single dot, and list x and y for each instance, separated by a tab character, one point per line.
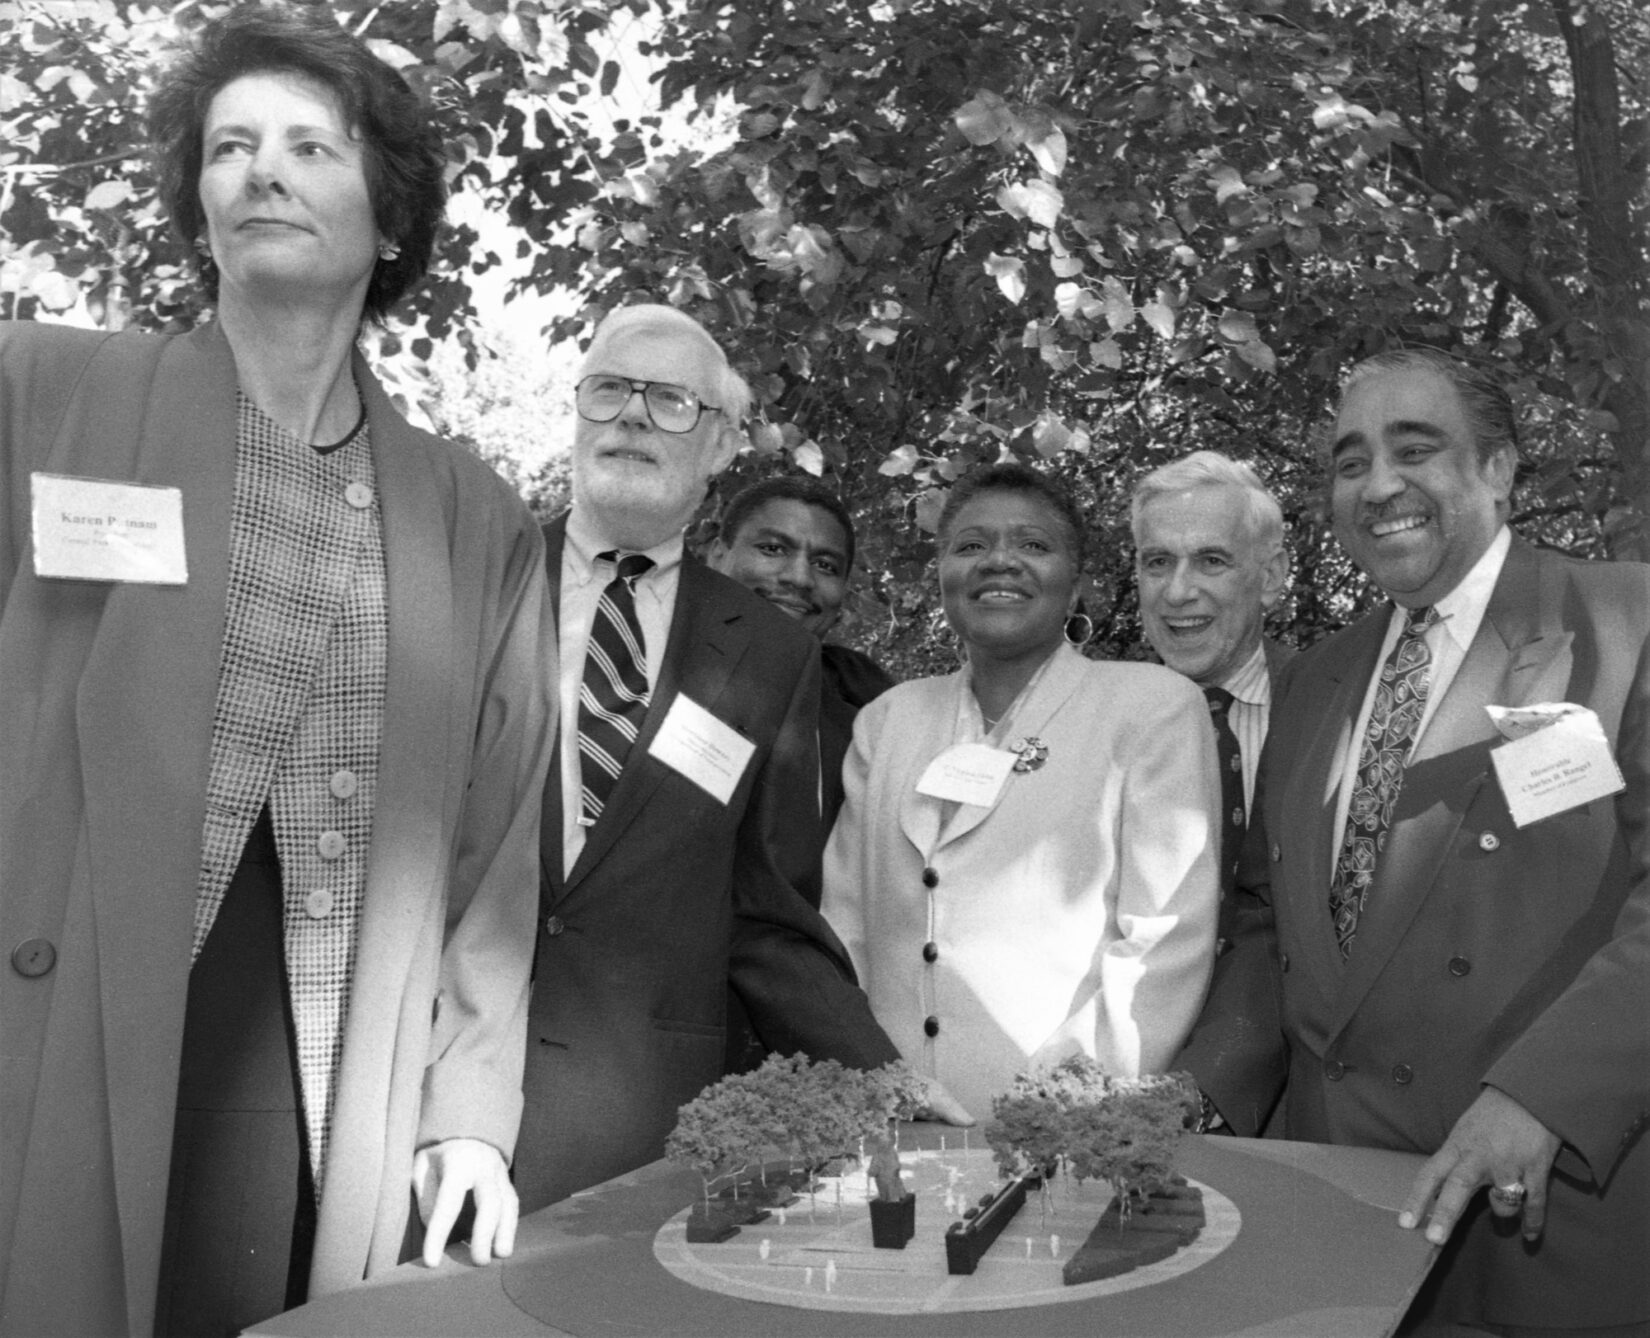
1160	317
1050	151
1009	272
984	118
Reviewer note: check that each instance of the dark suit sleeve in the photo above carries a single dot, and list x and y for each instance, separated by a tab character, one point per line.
1236	1051
787	966
1583	1066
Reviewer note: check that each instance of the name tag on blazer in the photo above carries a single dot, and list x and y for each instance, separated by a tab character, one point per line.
1558	766
695	743
968	773
97	530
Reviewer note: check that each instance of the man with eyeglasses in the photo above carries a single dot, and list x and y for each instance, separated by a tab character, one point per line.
680	835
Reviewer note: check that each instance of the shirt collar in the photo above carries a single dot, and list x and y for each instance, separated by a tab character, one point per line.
583	543
1250	682
1462	610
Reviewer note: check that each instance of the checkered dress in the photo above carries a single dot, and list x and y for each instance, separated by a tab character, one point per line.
299	713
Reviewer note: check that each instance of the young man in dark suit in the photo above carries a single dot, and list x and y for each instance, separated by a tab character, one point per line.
791	540
680	846
1452	979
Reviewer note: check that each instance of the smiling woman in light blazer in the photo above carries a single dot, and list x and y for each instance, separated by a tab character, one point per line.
268	836
1051	889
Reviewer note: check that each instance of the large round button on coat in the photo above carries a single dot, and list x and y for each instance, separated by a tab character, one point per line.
318	904
343	784
931	1026
553	925
358	495
1334	1070
930	877
1459	966
1402	1073
33	957
1489	841
930	952
331	845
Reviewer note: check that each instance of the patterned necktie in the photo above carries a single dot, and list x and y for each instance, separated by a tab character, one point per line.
1232	815
1400	700
614	696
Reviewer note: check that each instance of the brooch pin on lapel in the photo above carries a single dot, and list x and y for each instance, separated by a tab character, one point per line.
1032	753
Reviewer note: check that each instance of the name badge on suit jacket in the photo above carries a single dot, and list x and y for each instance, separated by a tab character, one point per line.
968	773
1558	759
97	530
695	743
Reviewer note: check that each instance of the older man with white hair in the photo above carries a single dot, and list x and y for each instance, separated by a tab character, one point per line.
1211	564
680	836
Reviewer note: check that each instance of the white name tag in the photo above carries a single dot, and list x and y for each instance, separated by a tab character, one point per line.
94	530
969	773
1557	767
709	753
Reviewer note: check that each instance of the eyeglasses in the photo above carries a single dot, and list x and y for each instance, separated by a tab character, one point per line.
601	399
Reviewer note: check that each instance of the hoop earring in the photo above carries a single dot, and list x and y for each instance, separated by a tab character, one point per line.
1087	633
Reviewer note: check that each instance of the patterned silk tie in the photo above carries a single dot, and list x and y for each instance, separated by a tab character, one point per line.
614	696
1232	816
1400	700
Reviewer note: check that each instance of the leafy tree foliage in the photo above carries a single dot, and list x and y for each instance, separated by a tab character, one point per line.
1104	234
1095	233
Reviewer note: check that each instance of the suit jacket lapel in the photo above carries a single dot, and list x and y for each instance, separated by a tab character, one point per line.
551	858
919	815
1312	788
1060	679
922	817
146	703
1504	664
708	637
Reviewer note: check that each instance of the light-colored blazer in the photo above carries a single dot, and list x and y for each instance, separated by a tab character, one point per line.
106	703
1077	914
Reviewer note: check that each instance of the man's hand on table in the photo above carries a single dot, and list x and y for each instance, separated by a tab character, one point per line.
442	1174
1496	1142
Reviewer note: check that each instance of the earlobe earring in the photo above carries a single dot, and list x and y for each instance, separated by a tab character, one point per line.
1084	634
203	248
388	251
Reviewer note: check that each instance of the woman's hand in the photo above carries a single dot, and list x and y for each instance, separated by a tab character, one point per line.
442	1174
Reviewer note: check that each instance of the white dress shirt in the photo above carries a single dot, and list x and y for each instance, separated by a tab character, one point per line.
1251	711
583	579
1459	614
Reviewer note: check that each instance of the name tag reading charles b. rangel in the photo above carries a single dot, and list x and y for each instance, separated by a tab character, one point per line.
98	530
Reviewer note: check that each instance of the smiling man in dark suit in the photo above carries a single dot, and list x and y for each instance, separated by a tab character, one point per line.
1454	980
680	836
1210	564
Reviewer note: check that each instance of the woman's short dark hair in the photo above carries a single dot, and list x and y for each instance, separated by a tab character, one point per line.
402	153
1014	477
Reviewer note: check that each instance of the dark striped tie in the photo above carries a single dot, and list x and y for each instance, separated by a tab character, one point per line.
1232	816
614	696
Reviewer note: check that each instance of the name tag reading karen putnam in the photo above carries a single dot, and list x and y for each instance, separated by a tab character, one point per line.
710	754
1558	759
95	530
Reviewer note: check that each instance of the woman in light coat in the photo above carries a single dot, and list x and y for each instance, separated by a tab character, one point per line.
1024	867
274	744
